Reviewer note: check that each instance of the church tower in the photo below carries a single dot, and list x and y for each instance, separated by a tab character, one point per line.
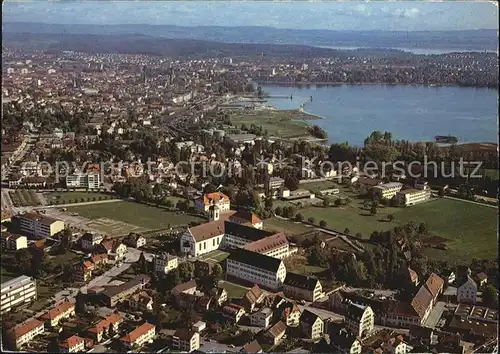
213	213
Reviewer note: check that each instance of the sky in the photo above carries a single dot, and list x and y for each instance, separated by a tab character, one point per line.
313	14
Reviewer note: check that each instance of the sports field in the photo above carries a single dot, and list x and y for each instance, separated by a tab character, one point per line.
471	228
75	197
115	217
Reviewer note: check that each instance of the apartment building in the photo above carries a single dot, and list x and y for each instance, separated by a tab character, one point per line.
25	332
218	199
82	271
39	226
73	344
233	312
90	241
256	268
142	334
359	320
413	196
116	293
274	334
97	331
186	340
262	318
164	263
84	180
62	310
16	292
387	190
302	287
13	241
466	289
312	325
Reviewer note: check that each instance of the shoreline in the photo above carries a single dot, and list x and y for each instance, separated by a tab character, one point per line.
333	83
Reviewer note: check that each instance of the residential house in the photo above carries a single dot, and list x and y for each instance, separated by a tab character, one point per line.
421	335
164	263
115	249
221	296
274	334
141	301
233	312
482	279
25	332
200	326
64	309
252	347
186	340
142	334
262	318
73	344
39	226
13	241
90	241
256	268
113	320
186	288
252	298
82	271
359	320
218	199
135	240
312	325
290	314
115	293
99	259
302	287
466	289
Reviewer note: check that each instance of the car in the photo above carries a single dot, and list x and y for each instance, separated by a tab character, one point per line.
231	345
302	302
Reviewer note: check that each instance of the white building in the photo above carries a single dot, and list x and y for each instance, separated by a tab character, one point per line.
39	226
359	320
16	292
139	336
262	318
387	190
14	241
90	241
412	196
186	340
82	180
218	199
25	332
164	263
467	290
256	268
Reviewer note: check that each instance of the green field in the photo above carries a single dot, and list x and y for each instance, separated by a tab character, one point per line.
278	123
288	227
75	197
471	228
233	290
316	187
143	216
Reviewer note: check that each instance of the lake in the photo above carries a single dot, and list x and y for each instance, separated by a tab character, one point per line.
415	113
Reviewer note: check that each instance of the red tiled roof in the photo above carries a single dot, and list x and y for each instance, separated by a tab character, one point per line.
216	196
210	229
58	310
267	243
138	332
27	327
434	284
104	324
72	342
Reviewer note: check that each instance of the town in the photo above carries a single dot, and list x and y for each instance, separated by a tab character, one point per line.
161	204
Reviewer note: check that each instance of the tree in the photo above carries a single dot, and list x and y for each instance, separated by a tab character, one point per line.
366	204
210	188
338	202
359	235
142	264
322	223
311	220
291	182
326	202
80	307
422	228
490	295
66	241
390	217
217	272
373	210
186	271
299	217
23	259
441	192
347	231
278	210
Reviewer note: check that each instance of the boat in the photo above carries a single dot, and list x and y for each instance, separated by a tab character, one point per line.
446	139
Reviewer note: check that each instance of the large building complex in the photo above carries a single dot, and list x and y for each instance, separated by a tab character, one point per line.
84	180
413	196
39	226
16	292
387	190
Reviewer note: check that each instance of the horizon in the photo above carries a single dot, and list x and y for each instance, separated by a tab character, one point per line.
411	16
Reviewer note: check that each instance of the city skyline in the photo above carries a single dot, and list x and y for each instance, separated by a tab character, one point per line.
391	16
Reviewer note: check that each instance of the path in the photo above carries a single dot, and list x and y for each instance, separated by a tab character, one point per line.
471	201
80	204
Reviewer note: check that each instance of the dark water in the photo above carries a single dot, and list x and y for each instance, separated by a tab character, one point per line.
415	113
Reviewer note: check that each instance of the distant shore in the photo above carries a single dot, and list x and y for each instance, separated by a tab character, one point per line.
334	83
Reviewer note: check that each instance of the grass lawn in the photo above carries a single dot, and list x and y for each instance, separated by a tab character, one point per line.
278	123
143	216
72	197
316	187
64	259
288	227
472	229
233	290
